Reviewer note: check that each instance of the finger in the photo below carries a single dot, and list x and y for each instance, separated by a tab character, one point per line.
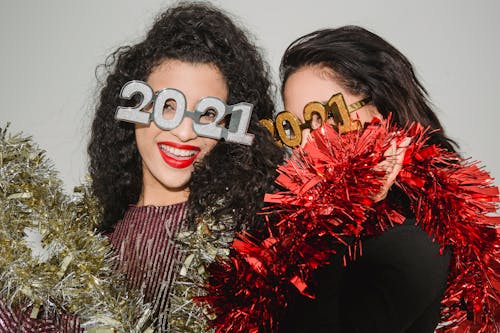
392	166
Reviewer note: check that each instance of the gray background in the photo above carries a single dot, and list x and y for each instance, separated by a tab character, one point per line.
49	50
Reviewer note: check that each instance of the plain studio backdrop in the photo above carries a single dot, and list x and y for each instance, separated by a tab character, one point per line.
50	49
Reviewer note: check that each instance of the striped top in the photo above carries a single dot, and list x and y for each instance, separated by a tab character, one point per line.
19	321
144	242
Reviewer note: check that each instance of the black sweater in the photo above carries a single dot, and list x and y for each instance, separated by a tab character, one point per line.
395	286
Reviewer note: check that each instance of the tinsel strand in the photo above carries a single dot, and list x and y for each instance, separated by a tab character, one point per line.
51	258
327	202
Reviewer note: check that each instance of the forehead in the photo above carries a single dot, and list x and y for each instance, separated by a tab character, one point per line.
308	84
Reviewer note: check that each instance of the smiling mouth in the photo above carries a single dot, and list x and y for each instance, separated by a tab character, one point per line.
177	155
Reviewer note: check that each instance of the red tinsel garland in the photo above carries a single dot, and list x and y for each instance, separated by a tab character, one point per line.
329	185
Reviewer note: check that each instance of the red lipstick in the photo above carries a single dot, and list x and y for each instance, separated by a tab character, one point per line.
177	155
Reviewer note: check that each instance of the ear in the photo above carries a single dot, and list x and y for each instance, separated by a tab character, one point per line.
391	165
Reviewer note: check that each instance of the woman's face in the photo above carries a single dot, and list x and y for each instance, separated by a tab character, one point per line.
168	157
318	83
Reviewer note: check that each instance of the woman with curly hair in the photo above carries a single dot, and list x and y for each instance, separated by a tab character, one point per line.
195	34
153	183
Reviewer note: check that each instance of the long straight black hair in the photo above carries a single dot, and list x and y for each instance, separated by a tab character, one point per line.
367	65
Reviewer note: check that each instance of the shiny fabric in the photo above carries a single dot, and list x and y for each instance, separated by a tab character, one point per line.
19	321
145	244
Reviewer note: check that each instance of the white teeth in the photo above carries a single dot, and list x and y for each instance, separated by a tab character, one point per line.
177	152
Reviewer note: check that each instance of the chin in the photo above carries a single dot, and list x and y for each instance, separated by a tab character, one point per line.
176	184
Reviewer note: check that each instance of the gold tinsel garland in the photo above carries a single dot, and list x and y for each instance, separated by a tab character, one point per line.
210	241
51	258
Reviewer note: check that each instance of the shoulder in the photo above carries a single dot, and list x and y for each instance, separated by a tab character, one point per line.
407	251
399	279
395	285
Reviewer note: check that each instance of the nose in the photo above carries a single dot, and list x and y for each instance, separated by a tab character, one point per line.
184	131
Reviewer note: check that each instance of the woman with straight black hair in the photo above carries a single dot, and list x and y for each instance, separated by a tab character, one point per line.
397	284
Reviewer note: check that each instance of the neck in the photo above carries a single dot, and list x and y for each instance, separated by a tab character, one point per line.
161	196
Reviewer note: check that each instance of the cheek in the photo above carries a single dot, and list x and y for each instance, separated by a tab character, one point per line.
366	114
144	133
207	146
140	136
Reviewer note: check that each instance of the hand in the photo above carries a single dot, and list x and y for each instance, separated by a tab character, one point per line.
391	165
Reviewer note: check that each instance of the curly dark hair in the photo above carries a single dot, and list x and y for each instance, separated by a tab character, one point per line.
238	174
368	65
